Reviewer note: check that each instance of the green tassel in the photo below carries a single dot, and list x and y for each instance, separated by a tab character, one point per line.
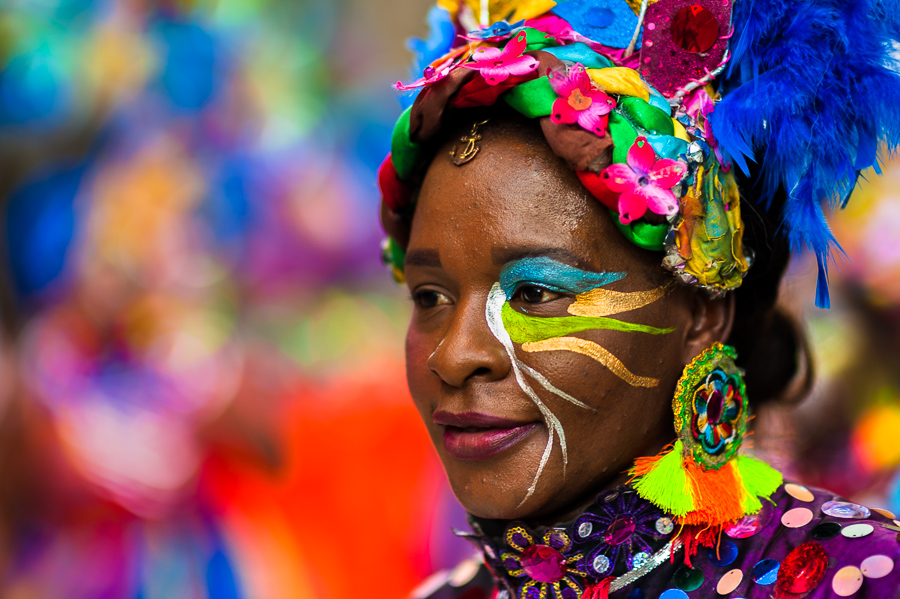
664	482
759	480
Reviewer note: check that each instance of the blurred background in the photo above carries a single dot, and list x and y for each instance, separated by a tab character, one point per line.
202	391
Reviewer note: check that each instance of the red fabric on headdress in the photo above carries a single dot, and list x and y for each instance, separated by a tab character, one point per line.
394	192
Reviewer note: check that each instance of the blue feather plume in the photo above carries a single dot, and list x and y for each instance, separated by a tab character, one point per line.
812	93
442	33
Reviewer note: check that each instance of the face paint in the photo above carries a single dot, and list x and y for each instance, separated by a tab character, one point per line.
590	311
493	312
553	275
524	328
603	302
592	350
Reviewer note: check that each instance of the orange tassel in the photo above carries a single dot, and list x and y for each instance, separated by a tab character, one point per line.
717	495
645	464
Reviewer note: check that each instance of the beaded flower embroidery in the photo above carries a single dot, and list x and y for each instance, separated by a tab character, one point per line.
545	567
619	524
717	406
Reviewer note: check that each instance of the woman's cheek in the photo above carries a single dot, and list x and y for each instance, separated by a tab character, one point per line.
419	346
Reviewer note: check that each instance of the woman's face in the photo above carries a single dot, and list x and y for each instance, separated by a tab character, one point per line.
536	327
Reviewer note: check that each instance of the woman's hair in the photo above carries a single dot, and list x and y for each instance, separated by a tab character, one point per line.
771	345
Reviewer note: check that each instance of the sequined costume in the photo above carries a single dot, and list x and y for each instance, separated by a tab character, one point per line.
809	543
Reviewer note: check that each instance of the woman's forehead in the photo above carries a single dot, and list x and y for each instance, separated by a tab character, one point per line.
515	199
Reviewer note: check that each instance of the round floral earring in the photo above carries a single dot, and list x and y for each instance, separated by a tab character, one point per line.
702	478
710	407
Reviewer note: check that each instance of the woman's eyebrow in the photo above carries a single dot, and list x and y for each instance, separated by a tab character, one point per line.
505	255
423	257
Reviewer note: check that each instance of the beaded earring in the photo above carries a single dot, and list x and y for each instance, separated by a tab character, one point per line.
703	479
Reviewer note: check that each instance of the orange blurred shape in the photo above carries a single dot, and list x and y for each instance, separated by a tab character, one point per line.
349	514
875	438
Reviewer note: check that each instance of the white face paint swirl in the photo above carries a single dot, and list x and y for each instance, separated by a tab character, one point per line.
493	313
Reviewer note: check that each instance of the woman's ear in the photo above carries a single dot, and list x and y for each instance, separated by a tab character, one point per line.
711	321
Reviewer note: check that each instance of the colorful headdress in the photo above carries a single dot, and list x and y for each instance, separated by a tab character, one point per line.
653	101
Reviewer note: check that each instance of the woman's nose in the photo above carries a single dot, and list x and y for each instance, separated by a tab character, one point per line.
468	350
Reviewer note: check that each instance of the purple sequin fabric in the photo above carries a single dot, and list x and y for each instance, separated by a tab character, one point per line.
809	544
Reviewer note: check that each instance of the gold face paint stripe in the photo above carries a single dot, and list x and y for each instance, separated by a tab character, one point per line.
601	302
594	351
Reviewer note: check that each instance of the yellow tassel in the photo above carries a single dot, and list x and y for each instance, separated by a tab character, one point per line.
662	481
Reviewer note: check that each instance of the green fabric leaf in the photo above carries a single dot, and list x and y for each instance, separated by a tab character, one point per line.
533	98
643	234
404	153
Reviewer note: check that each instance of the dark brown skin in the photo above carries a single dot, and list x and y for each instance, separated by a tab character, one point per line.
519	197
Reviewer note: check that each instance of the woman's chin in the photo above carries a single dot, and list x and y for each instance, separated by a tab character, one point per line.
498	487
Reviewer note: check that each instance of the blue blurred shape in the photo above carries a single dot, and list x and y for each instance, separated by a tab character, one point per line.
442	32
189	74
437	44
30	89
40	223
228	207
220	579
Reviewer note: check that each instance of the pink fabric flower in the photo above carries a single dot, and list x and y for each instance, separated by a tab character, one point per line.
578	101
497	65
644	183
438	69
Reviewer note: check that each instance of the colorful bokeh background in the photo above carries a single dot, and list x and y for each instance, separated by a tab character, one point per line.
202	391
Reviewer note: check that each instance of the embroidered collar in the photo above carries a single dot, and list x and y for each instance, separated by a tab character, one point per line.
618	539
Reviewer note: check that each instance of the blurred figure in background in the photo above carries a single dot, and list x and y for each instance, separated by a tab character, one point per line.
191	383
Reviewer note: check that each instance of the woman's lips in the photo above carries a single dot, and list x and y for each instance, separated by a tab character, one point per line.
474	436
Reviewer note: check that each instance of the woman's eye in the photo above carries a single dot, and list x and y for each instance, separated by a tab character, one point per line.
429	298
532	294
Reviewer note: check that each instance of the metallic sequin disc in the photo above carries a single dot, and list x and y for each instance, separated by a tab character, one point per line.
640	560
845	509
726	554
601	564
797	517
584	529
664	526
825	531
847	581
752	524
798	492
730	581
885	513
876	566
674	594
765	571
856	531
688	579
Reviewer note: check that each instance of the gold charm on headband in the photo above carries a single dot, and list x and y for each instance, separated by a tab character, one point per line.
470	150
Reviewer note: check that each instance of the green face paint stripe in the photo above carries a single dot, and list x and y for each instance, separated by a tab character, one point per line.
523	328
